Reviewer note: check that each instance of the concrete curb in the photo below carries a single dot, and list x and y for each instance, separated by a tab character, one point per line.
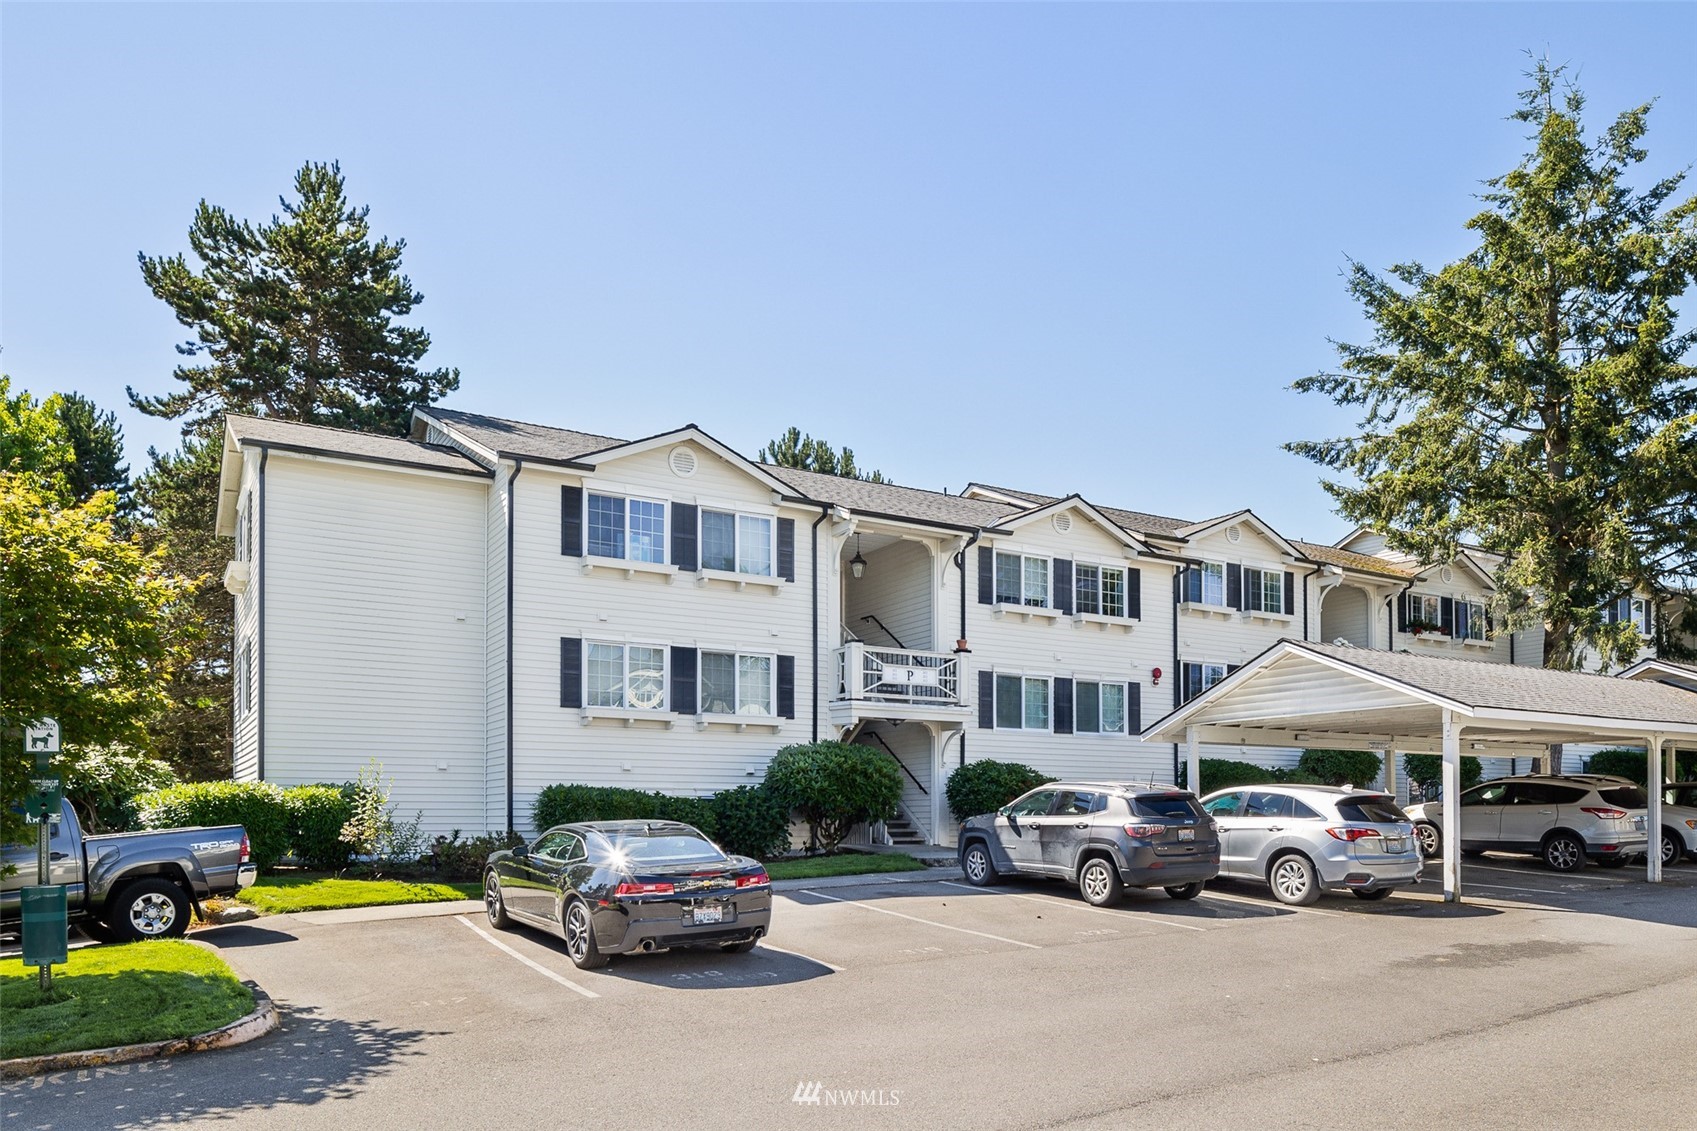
261	1021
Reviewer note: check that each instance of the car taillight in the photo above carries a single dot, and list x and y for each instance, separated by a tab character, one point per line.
1352	833
247	849
758	880
642	889
1605	814
1144	832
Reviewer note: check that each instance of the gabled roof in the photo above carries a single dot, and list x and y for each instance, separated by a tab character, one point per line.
689	433
886	500
1466	560
1349	559
1247	516
1084	507
517	440
1664	671
1138	522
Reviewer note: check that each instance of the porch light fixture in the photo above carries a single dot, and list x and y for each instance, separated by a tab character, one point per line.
857	564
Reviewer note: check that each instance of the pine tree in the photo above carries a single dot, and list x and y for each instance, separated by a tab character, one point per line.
804	453
97	445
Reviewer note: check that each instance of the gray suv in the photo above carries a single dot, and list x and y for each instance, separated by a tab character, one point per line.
1102	836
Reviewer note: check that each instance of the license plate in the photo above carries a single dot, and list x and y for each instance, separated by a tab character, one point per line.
714	913
1187	834
1395	844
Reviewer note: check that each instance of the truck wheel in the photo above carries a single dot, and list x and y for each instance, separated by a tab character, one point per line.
149	909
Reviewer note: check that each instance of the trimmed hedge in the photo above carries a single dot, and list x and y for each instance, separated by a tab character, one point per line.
751	822
567	804
1635	764
316	814
984	787
834	786
1342	767
1223	773
1427	770
257	806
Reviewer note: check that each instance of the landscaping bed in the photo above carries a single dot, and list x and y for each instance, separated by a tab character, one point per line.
118	995
844	864
278	893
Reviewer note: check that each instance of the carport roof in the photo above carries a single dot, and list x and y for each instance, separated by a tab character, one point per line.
1298	693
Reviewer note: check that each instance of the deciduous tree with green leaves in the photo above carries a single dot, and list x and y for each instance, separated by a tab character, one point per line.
804	453
1536	395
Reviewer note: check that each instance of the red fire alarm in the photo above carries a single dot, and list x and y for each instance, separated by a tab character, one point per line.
1155	676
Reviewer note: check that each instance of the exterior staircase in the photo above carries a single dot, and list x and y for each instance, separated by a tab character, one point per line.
903	832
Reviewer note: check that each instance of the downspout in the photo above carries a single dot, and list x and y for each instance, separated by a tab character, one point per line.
512	511
824	512
259	737
960	644
1390	616
1177	674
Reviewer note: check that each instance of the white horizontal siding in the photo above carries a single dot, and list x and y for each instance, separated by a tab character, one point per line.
898	588
375	633
495	653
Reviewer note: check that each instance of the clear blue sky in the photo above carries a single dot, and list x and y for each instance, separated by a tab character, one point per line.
1076	248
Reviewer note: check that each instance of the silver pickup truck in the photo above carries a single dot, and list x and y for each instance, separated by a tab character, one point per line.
130	886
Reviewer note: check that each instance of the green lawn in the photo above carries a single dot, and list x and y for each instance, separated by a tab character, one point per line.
848	864
282	892
118	995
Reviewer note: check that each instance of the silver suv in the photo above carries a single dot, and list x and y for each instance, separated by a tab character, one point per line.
1562	818
1679	822
1301	840
1102	836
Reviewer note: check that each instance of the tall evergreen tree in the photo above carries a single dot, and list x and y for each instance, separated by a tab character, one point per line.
793	449
1536	394
97	446
294	318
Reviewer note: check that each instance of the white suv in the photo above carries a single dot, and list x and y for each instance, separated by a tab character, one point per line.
1562	818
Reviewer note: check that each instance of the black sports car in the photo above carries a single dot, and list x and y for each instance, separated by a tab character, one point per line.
613	887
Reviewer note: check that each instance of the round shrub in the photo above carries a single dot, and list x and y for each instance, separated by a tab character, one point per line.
104	783
984	787
751	822
255	805
1342	767
316	816
833	787
1632	764
1223	773
1427	771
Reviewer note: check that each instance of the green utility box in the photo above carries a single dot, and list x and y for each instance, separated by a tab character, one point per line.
44	926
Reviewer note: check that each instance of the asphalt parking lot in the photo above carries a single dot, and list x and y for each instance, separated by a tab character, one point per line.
1543	1001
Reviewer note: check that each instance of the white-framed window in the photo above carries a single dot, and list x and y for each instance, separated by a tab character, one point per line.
1426	609
621	527
246	683
1264	590
736	543
1022	702
244	528
1470	620
1022	579
1640	613
625	675
1199	676
1099	589
736	683
1098	708
1213	582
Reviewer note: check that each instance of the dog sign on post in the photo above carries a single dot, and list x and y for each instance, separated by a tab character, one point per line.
41	739
43	906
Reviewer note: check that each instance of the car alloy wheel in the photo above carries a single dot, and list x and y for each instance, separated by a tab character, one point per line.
1564	853
1671	847
1430	840
493	904
975	862
152	914
580	937
1293	880
1098	883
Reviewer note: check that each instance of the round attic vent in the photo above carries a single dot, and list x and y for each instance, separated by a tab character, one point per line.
1234	534
1446	575
1062	522
682	461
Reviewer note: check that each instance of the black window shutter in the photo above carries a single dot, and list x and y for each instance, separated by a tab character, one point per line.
786	686
786	548
1063	586
1611	612
571	521
684	536
683	679
986	575
1234	586
1134	707
1623	608
1402	604
986	700
1193	583
1446	615
1063	706
1290	592
571	671
1230	668
1134	594
1192	680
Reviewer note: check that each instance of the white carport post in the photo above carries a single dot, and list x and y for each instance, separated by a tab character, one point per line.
1193	760
1452	808
1653	825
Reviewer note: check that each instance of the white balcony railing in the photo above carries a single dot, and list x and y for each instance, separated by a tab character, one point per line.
892	675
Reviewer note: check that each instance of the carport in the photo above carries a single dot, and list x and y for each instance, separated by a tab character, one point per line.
1334	696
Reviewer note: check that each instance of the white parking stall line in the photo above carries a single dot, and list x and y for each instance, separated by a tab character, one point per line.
917	919
1558	876
1274	910
1120	914
768	945
536	966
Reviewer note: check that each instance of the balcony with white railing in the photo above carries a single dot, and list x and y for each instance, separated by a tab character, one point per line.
874	682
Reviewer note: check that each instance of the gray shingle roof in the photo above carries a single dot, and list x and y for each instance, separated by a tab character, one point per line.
369	447
1484	683
525	441
1349	559
1138	522
893	501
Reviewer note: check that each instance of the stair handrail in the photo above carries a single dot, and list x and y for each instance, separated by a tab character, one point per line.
876	737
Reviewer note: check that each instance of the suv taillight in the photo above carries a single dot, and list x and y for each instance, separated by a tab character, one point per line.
247	849
1352	833
1144	832
1605	814
625	889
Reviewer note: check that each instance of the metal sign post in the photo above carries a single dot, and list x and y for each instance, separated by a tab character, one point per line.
43	906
